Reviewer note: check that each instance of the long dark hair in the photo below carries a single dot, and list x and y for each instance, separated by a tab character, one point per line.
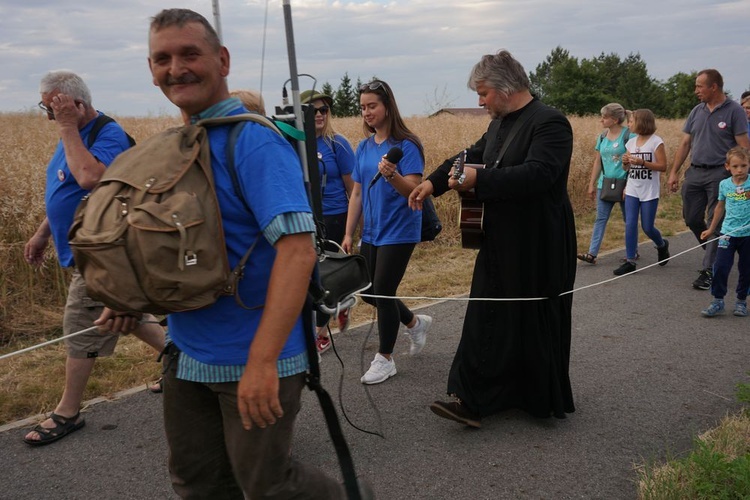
396	126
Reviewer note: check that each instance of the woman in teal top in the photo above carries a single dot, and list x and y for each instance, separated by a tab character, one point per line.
610	146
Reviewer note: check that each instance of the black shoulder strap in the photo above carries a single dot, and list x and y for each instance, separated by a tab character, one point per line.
99	124
525	116
234	133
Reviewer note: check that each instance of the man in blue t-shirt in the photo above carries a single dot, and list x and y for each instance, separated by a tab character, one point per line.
233	376
713	127
71	173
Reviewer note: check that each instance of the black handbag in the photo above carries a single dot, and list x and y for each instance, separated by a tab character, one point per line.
340	277
431	225
612	189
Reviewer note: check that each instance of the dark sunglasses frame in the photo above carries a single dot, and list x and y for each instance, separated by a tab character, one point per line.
323	110
47	110
50	112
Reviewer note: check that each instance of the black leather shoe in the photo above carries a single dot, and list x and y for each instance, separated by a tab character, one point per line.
457	412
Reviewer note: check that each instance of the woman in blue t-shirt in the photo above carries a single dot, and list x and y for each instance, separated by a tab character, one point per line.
335	166
610	146
390	228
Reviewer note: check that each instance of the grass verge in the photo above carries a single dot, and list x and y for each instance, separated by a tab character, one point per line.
717	467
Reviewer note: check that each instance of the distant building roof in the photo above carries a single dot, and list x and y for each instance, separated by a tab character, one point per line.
462	111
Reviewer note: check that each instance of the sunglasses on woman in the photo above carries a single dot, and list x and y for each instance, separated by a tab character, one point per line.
375	85
323	110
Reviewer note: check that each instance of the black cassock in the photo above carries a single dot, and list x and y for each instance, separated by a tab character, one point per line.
516	354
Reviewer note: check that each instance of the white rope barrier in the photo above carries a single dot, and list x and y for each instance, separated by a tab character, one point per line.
58	339
49	342
531	299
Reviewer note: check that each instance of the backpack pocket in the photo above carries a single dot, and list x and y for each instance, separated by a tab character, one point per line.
176	262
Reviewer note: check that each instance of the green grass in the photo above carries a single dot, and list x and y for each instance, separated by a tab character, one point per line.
717	467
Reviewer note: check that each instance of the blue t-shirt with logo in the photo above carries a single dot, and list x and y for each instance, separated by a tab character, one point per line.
271	183
388	220
611	153
737	207
337	160
63	194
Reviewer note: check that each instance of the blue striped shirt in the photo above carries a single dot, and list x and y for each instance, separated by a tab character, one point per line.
285	224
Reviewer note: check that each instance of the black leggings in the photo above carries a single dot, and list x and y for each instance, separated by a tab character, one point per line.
387	265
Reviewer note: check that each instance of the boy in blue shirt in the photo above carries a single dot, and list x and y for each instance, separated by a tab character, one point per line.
734	201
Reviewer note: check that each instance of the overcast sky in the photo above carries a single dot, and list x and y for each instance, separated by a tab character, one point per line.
422	48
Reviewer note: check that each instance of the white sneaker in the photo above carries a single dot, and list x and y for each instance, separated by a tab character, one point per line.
381	369
418	334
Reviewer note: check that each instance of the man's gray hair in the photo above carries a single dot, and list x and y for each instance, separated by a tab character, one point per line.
501	72
181	17
66	82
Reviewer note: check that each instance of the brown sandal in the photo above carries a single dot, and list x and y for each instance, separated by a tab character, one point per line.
587	257
63	427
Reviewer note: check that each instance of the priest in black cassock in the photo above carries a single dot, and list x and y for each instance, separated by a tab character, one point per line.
514	354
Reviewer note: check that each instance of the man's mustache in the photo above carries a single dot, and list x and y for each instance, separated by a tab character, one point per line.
182	80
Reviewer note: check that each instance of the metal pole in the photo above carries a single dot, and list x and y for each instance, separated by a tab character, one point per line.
217	20
296	105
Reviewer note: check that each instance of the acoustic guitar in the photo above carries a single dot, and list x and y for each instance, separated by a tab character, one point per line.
471	213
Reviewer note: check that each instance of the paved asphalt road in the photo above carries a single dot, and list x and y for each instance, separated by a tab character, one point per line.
648	374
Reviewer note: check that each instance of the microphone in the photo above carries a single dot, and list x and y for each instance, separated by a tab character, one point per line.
394	156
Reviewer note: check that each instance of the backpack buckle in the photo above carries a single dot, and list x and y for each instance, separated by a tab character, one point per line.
191	258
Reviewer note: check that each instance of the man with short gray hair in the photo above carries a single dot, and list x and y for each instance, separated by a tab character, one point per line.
75	168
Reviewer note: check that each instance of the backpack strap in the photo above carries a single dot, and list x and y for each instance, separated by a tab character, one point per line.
99	124
244	117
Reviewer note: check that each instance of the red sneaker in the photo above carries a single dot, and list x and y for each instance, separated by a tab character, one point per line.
323	344
343	319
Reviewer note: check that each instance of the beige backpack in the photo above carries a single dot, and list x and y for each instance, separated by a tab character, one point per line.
149	236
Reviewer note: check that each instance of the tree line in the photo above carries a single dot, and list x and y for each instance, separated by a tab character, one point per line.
576	87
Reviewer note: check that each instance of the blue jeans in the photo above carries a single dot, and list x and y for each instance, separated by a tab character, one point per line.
723	265
603	211
647	210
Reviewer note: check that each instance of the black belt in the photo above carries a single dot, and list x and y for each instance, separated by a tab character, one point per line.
701	165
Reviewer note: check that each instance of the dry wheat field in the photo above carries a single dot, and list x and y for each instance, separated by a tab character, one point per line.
31	300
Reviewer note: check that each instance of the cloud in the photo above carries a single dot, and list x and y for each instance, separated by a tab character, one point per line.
418	46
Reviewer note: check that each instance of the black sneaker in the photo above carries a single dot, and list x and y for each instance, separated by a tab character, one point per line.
703	282
663	253
625	268
457	412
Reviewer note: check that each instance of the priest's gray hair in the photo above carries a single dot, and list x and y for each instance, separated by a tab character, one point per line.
501	72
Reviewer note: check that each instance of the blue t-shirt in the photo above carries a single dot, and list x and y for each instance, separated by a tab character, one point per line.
737	207
271	182
611	153
332	166
63	194
388	220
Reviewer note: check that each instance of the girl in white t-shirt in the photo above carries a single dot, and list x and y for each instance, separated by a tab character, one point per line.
645	158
